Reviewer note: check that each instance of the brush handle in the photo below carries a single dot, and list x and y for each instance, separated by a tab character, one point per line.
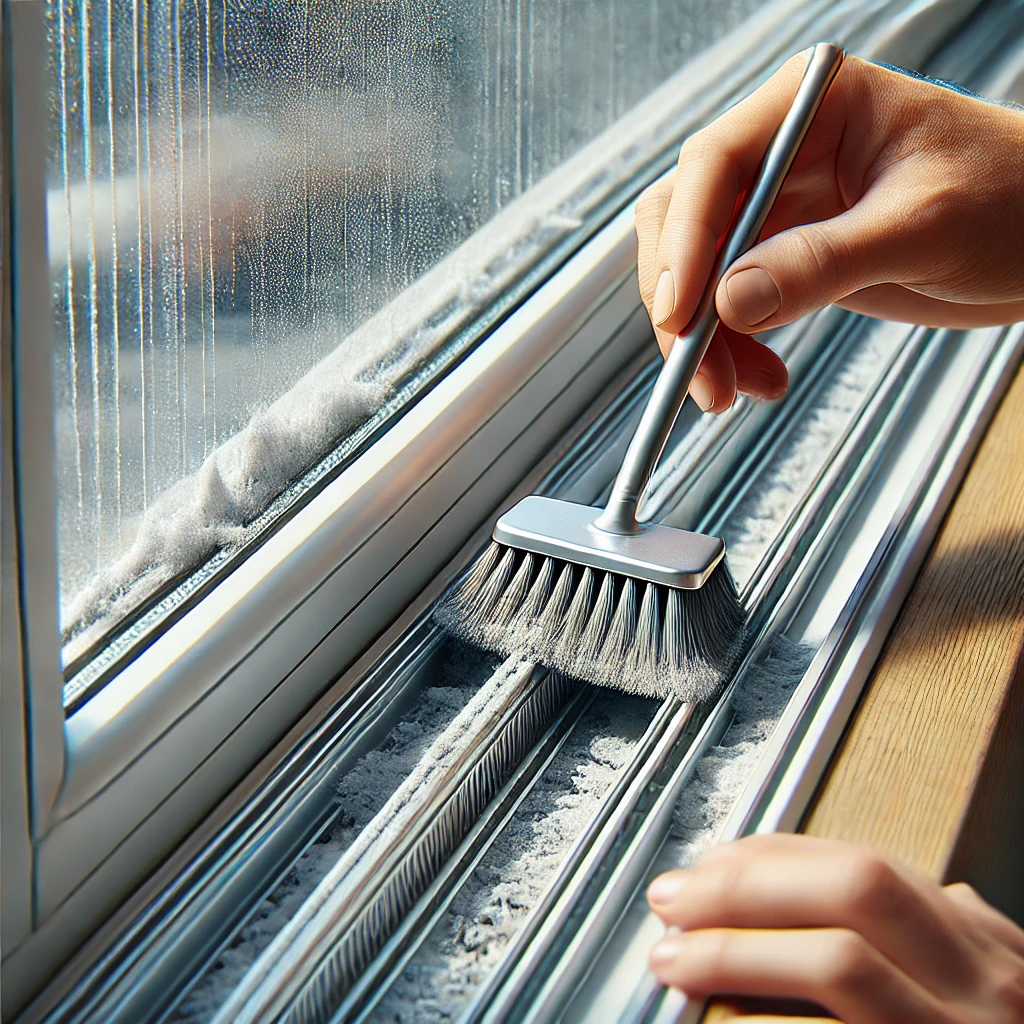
684	360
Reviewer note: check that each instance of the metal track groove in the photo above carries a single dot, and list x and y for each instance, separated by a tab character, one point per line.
352	950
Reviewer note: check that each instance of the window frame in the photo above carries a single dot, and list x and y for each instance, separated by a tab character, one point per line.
94	800
30	618
184	720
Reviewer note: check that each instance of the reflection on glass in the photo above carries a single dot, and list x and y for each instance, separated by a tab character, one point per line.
269	218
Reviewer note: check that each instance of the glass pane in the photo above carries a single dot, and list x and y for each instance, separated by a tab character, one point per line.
272	221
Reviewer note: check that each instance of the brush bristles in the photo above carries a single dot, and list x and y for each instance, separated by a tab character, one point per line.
643	638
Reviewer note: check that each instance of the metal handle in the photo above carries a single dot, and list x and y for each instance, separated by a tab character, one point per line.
683	361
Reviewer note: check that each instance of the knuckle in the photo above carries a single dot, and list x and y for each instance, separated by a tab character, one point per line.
713	953
827	255
942	202
648	202
850	964
724	878
962	893
646	197
724	851
1008	991
697	148
873	886
961	889
658	191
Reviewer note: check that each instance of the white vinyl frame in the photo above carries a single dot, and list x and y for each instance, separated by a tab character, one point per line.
31	658
92	802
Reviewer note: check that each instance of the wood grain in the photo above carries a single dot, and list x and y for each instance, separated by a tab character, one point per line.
908	771
931	769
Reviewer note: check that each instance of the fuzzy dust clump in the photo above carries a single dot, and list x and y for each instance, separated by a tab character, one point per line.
211	508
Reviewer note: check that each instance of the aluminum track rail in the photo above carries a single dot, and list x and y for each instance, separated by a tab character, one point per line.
668	732
666	741
339	929
434	903
356	964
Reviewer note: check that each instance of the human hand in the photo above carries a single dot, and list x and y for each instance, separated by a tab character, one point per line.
836	924
905	202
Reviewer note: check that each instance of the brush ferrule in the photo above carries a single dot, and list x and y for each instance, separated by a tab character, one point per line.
653	553
618	517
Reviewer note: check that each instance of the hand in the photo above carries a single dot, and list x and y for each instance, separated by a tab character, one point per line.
836	924
905	202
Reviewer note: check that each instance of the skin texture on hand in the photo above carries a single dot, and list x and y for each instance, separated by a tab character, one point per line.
839	926
905	202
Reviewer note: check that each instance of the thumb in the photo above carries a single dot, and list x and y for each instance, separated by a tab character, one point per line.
805	268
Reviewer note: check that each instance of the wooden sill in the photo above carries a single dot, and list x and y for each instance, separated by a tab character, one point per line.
931	770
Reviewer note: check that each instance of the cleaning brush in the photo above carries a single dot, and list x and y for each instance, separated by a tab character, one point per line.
596	594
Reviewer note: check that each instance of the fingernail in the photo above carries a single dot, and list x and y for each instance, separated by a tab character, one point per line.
664	298
702	392
753	295
665	888
665	950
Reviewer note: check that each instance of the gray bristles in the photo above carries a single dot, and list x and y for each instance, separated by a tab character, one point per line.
601	627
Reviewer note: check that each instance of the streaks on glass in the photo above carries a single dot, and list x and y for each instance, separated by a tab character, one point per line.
236	186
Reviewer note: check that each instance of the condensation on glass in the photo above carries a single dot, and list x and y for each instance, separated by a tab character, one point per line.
270	221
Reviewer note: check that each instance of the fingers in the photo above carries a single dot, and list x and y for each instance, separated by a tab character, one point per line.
774	1018
760	373
651	208
837	925
766	1011
679	221
714	387
734	363
826	239
833	967
699	211
794	882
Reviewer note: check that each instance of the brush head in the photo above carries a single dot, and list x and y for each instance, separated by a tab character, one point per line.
637	636
565	530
